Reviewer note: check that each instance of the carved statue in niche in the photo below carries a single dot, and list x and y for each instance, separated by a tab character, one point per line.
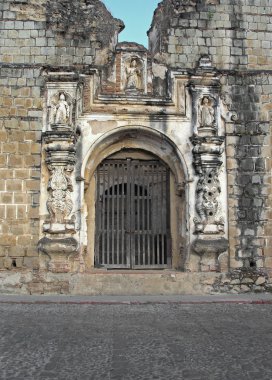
134	75
59	203
206	113
207	204
62	111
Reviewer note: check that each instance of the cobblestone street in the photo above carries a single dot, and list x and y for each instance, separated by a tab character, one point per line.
141	342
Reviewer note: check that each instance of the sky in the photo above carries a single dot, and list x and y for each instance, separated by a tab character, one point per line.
136	15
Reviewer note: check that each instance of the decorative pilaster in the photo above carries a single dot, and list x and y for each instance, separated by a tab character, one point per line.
209	220
59	144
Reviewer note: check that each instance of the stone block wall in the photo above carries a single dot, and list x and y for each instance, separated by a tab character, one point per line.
248	144
65	33
34	36
237	36
20	135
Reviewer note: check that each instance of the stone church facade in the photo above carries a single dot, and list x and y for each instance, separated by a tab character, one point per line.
127	170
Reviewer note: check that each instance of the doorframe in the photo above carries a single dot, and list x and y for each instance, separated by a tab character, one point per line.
150	141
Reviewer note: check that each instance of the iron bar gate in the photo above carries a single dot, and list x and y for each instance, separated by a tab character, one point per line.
132	215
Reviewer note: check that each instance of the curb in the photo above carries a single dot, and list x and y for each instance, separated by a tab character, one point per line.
239	302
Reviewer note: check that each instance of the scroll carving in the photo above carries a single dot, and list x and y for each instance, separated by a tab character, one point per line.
207	161
59	203
60	159
208	206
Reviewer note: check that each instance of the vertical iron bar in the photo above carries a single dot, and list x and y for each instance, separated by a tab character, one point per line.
153	218
113	210
98	219
168	216
148	214
128	214
143	214
108	214
132	215
123	261
138	220
157	218
117	213
112	215
103	216
162	216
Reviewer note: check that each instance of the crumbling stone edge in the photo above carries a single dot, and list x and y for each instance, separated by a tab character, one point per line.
240	281
244	280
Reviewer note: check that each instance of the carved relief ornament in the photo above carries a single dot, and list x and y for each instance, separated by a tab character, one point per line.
208	207
60	159
59	203
207	153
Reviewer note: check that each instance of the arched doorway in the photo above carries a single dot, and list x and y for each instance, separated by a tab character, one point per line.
149	147
132	212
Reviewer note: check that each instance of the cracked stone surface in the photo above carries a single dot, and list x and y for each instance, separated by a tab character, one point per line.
140	342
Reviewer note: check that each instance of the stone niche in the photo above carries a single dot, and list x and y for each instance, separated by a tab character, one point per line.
131	72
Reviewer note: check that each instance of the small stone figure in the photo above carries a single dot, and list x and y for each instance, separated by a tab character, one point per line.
59	203
206	113
133	76
62	111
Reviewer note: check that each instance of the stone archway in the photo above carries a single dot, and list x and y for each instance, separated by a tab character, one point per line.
145	144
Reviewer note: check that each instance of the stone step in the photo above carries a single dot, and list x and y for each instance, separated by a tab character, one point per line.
127	283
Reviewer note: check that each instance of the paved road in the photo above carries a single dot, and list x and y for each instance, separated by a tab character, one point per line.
141	342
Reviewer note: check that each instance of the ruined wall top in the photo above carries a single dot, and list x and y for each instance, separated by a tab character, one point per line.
236	34
83	18
61	33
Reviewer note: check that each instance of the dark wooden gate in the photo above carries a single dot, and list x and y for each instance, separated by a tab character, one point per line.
132	215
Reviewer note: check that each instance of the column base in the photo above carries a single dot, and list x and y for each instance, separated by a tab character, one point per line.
59	252
209	251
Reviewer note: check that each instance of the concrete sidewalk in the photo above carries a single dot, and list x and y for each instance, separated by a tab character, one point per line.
249	298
